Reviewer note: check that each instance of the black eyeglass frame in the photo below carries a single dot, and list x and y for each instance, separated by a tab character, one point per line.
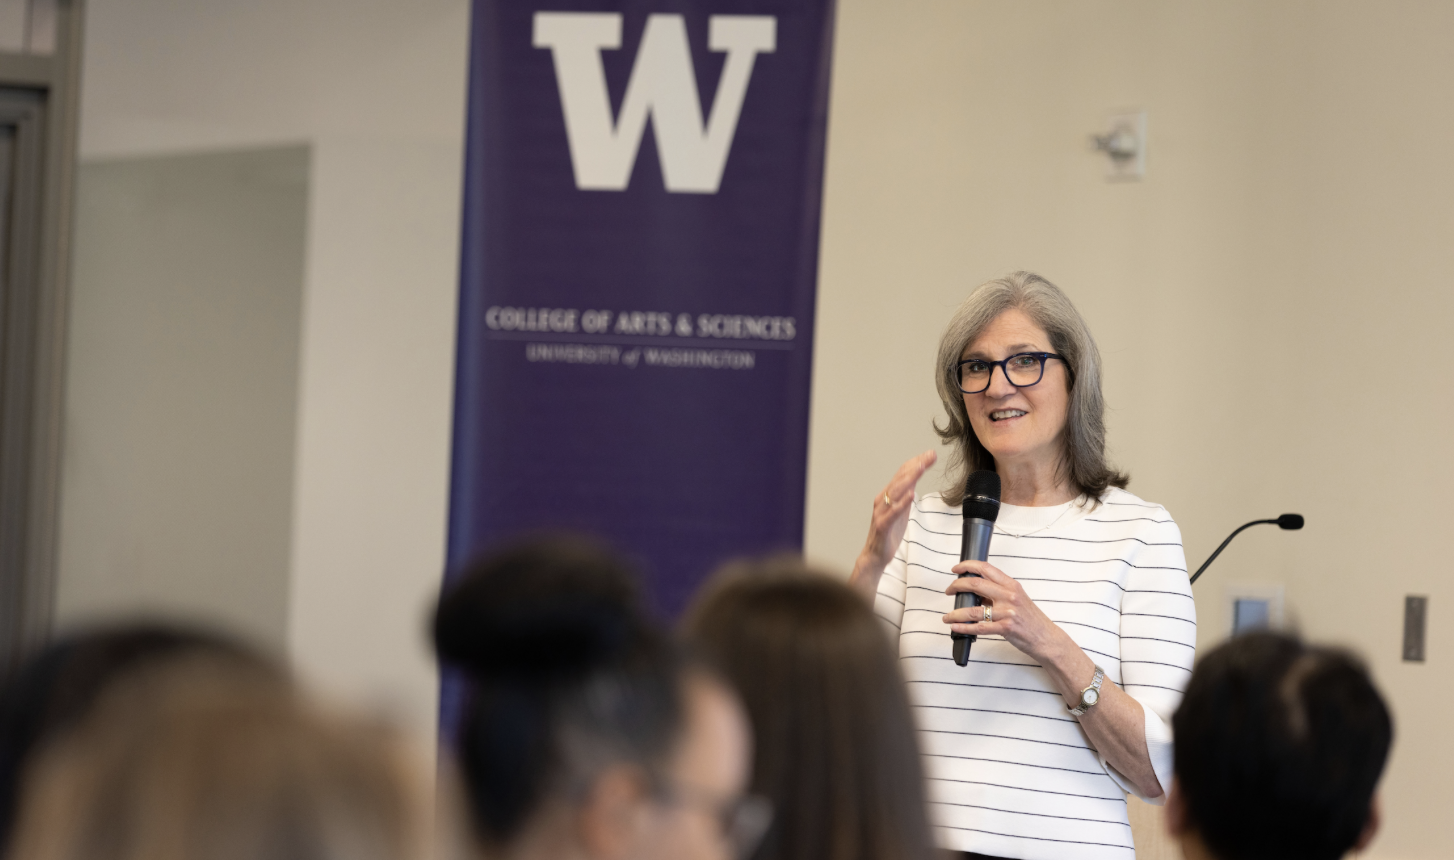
744	820
1003	365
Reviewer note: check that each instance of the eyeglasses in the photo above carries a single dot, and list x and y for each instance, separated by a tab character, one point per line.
1022	370
744	820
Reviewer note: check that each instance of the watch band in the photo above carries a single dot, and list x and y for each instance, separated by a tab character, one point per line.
1091	695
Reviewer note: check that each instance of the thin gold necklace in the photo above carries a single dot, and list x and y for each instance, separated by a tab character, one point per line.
1073	503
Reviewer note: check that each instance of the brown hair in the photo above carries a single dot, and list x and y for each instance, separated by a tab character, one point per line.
208	759
1083	462
835	749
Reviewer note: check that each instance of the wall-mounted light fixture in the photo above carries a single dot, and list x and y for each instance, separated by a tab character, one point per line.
1124	144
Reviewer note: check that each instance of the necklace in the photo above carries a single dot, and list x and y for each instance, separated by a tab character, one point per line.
1068	507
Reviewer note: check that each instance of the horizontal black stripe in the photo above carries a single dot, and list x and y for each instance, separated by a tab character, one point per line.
1154	615
1071	581
932	532
1088	561
1133	520
1003	713
939	591
954	555
1118	799
1154	639
1036	814
890	597
1009	738
1088	627
1107	540
1156	591
1017	763
982	686
1076	623
934	570
972	660
1116	609
1154	663
958	514
1131	505
1061	581
1000	531
1037	838
994	638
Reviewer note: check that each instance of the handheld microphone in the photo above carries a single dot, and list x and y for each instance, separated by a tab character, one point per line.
981	507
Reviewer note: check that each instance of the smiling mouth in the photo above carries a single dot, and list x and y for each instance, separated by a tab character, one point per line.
1002	414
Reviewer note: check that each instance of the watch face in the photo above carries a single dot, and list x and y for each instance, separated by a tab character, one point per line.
1090	697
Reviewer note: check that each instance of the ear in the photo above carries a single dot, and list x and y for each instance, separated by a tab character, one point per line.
1370	827
612	817
1176	817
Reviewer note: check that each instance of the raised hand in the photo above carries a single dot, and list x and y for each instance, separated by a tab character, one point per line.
889	521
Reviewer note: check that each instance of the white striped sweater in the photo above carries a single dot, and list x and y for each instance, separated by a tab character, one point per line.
1010	772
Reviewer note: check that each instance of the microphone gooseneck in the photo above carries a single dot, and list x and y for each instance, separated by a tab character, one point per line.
980	508
1287	522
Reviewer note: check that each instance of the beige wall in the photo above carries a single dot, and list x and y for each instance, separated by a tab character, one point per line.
376	89
1290	232
1272	302
182	394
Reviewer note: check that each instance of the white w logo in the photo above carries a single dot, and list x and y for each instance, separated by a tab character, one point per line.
663	85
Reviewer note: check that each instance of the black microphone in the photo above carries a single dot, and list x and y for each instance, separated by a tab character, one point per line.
1287	522
981	507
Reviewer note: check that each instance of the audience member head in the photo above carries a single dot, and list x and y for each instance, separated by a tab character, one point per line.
836	750
586	734
205	757
58	687
1279	746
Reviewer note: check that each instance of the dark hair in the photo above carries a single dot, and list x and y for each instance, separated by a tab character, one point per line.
60	685
1278	748
568	675
836	750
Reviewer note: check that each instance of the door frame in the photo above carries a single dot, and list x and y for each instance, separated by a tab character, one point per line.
29	499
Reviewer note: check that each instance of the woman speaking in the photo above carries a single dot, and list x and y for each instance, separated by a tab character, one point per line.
1087	629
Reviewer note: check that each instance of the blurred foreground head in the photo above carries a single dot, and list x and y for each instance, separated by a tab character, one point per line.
836	750
206	757
1279	746
59	686
586	734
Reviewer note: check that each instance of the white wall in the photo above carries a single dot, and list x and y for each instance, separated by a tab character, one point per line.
1291	232
182	389
376	89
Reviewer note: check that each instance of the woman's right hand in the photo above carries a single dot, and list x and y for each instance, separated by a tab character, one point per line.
890	521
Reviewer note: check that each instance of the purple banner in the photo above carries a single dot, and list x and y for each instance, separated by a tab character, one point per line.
641	211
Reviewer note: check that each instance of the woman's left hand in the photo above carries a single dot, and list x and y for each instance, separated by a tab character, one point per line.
1013	614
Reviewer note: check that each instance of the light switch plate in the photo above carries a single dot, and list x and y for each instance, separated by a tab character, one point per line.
1416	623
1257	605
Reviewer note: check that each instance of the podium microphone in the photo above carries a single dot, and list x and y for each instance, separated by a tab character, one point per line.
981	507
1288	522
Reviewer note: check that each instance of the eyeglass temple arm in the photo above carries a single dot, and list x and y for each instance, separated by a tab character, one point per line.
1224	545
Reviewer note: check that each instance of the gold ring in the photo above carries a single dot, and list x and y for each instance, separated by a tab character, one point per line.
989	614
887	501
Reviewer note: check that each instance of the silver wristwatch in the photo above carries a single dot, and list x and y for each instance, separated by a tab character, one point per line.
1090	695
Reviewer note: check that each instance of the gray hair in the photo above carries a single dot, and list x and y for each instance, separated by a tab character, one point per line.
1083	461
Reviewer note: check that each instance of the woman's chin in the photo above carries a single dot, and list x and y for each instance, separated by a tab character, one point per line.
1011	450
